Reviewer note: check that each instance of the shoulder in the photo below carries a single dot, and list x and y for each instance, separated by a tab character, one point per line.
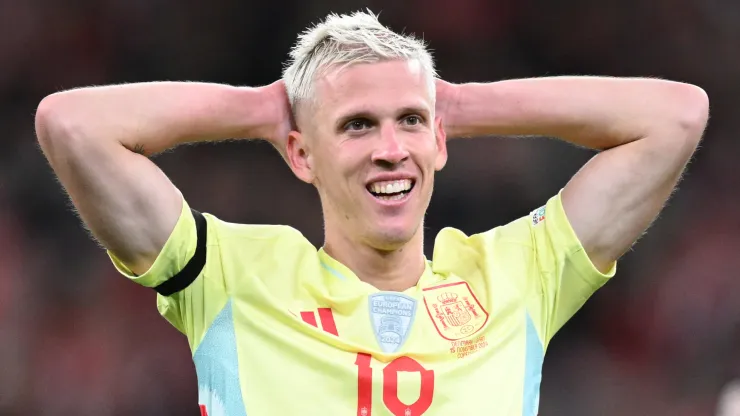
543	227
466	255
234	232
253	237
517	232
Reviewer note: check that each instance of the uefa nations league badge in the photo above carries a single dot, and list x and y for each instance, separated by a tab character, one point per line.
391	315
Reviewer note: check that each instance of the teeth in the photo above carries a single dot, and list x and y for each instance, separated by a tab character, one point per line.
390	187
390	197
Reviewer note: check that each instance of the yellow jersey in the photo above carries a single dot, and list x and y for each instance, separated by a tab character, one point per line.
277	327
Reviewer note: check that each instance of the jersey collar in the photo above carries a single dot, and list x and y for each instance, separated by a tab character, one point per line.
344	273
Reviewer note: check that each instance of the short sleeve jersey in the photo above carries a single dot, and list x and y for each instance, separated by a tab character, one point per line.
278	327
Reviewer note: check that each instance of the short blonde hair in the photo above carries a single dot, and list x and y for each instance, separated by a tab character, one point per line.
343	40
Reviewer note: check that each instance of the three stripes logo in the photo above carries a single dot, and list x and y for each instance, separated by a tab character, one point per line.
325	318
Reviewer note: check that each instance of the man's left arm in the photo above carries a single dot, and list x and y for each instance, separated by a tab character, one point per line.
645	129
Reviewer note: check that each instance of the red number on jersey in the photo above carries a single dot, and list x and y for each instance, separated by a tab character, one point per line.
364	385
390	386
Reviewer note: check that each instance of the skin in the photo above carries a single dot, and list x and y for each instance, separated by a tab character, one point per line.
645	132
98	141
371	121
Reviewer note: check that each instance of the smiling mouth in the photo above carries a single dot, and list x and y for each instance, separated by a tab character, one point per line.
391	190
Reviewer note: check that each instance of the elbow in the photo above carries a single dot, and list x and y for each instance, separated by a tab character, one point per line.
693	112
47	119
53	123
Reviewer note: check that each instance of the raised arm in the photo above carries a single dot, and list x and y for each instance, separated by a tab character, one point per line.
97	141
646	129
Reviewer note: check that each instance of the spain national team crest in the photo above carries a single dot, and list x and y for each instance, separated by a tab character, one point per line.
455	310
391	315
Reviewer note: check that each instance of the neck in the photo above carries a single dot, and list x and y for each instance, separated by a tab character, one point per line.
388	270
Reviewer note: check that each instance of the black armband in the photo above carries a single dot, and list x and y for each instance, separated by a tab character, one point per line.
195	265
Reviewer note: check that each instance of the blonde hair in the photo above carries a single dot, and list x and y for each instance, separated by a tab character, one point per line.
343	40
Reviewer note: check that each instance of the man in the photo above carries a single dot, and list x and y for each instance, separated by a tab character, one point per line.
366	325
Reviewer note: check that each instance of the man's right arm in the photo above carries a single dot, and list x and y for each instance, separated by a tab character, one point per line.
97	141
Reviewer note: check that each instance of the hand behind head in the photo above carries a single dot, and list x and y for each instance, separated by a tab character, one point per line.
281	116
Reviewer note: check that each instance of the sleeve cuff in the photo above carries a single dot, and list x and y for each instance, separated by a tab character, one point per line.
173	257
563	235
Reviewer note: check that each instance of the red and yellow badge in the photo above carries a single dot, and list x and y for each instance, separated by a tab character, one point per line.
455	310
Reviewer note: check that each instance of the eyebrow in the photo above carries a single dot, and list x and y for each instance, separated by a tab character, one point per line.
415	110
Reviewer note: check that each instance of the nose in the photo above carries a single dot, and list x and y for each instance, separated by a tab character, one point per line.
390	150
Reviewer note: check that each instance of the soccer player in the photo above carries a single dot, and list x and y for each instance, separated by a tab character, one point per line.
366	324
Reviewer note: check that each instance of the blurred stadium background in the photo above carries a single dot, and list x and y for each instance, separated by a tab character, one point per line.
663	338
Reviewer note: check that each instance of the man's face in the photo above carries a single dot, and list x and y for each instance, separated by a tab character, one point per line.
370	145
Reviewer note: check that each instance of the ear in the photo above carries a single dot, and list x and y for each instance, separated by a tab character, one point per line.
299	157
441	139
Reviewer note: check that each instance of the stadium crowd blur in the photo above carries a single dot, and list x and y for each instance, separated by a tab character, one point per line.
663	338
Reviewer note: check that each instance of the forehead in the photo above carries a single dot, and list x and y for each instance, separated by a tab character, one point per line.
373	87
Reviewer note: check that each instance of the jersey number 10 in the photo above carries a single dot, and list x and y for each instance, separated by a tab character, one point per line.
390	386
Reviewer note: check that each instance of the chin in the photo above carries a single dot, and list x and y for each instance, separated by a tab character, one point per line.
389	239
